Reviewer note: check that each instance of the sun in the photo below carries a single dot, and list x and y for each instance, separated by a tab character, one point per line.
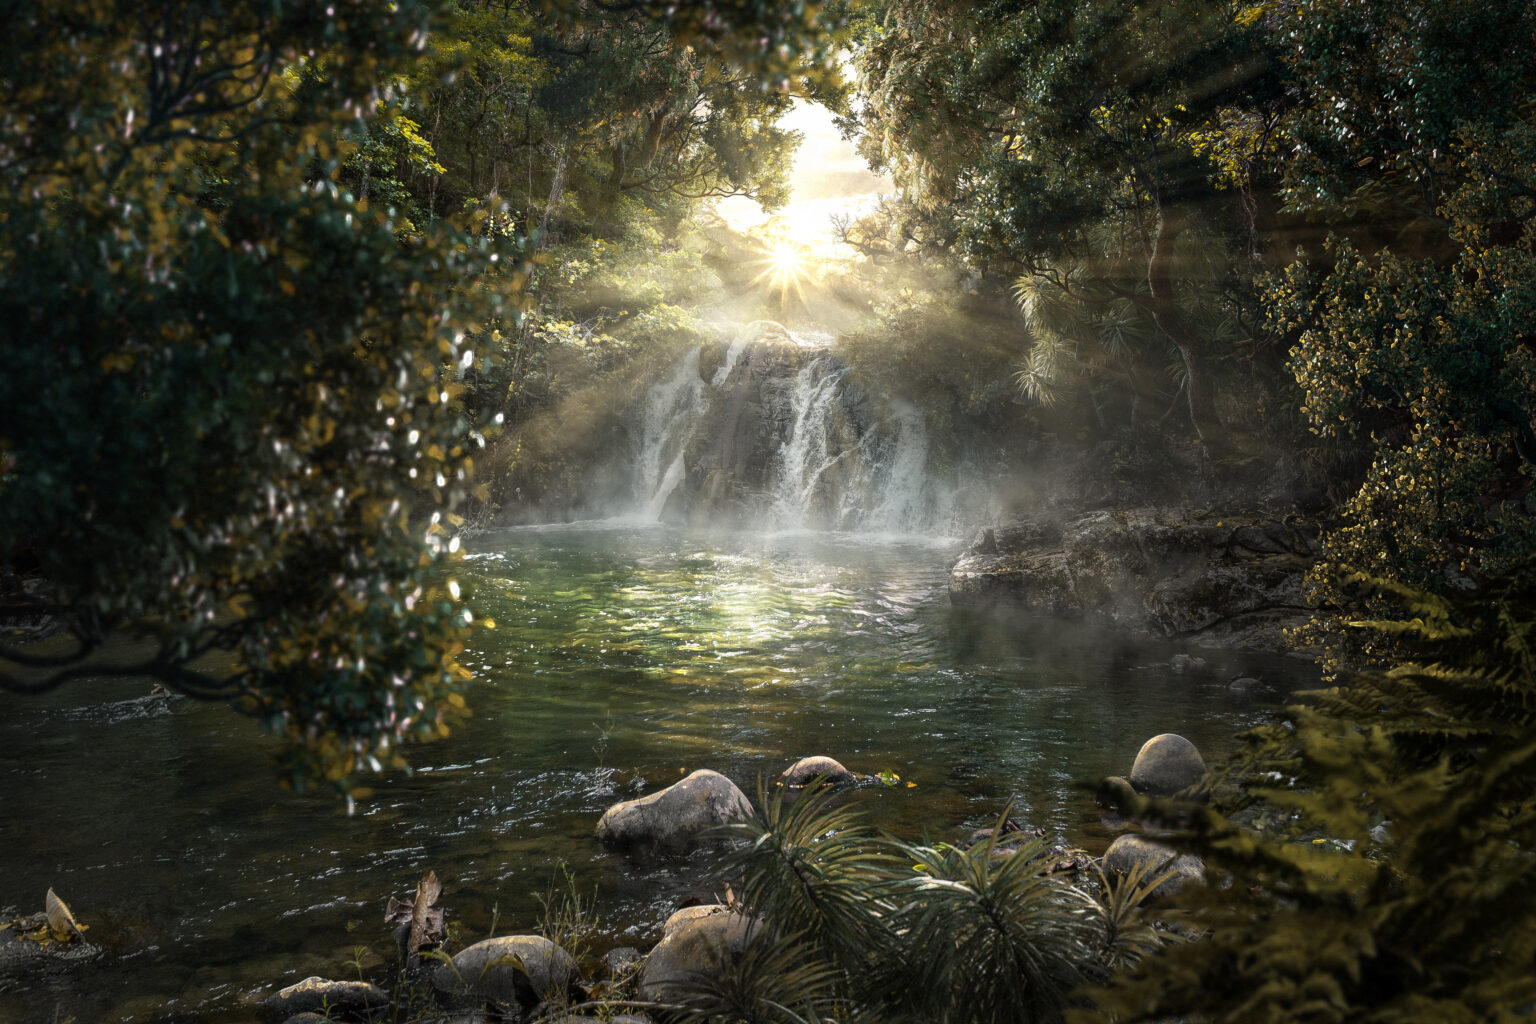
785	266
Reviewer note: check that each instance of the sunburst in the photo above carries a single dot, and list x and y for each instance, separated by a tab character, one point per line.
785	267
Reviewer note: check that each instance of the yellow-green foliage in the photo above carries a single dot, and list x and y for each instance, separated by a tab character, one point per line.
1415	135
222	401
1397	886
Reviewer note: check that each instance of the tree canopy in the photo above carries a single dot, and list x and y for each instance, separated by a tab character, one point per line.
241	308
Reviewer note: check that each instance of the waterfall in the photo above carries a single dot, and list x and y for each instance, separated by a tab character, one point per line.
813	457
778	435
670	409
905	499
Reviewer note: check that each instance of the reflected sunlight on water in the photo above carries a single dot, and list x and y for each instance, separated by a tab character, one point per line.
625	656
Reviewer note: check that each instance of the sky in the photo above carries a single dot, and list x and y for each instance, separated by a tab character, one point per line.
828	177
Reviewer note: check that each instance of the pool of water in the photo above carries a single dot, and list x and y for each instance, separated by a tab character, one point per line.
625	657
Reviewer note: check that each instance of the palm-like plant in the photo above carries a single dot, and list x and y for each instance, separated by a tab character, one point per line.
991	936
860	925
809	867
770	982
1084	329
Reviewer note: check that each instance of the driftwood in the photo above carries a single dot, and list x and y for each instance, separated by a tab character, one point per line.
421	913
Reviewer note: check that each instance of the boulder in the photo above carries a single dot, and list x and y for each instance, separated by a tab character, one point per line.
1117	795
1128	852
1183	664
681	917
696	947
621	962
342	1000
525	969
733	453
799	774
1250	684
676	814
1167	764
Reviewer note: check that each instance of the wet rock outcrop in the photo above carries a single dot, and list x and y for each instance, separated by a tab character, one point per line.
767	406
1229	579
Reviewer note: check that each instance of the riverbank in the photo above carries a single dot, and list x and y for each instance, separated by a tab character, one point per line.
625	657
1216	578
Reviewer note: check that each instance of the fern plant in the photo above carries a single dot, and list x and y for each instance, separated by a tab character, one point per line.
1398	889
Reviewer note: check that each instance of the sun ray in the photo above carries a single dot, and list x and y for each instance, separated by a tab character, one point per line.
785	266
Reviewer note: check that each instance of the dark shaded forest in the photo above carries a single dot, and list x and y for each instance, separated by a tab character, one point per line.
297	297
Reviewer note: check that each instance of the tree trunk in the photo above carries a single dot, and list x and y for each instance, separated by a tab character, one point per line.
556	190
1173	222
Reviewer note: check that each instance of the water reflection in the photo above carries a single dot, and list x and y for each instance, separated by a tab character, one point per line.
625	656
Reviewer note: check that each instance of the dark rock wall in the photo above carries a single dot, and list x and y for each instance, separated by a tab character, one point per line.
1233	579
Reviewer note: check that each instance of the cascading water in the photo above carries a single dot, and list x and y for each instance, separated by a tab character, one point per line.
813	458
776	435
905	499
671	408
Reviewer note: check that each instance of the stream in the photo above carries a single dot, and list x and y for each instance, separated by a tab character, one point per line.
626	656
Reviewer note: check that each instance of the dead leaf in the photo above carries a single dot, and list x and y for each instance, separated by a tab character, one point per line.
398	912
426	922
61	923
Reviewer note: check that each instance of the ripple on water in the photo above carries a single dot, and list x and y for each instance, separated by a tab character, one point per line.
624	657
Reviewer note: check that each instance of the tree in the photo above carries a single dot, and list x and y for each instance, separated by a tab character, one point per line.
224	399
1412	328
1083	144
565	121
229	427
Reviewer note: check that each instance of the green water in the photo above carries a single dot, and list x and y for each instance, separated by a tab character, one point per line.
625	656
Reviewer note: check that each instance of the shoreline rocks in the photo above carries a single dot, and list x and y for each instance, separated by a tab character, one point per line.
1167	764
522	969
341	1000
1129	852
694	945
804	771
1229	579
676	815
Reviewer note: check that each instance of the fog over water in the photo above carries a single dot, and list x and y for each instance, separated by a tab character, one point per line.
625	656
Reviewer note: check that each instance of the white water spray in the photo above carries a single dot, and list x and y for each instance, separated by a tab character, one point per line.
670	410
836	461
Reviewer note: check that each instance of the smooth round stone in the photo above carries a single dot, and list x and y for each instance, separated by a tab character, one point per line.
805	770
344	1000
1167	764
677	814
1129	852
522	969
696	948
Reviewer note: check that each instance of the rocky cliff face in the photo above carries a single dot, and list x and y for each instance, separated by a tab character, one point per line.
772	432
1230	579
780	427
